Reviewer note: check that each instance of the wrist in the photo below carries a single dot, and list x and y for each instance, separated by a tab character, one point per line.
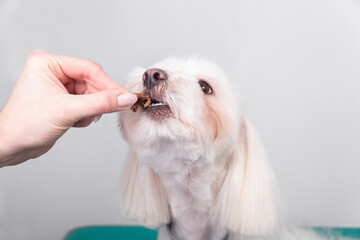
7	146
11	152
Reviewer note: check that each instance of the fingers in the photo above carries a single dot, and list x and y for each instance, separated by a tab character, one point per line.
96	118
83	122
87	121
66	67
84	106
88	71
93	94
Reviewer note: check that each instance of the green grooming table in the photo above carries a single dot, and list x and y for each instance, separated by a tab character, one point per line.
112	233
338	233
141	233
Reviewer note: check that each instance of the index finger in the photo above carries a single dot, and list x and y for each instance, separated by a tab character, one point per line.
88	71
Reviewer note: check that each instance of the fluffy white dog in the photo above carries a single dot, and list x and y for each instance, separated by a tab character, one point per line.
196	164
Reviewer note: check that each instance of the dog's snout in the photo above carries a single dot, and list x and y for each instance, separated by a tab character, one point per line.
153	76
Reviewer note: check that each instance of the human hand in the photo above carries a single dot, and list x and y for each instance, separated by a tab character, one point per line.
52	94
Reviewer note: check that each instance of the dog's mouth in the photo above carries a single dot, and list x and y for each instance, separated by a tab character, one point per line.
155	103
158	110
151	104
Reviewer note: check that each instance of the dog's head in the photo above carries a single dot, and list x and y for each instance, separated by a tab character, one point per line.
195	116
193	104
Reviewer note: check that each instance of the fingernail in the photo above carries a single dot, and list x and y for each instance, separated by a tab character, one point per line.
126	100
96	118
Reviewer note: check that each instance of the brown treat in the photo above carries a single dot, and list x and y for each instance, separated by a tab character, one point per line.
144	100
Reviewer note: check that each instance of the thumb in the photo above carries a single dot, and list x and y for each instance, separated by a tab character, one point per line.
107	101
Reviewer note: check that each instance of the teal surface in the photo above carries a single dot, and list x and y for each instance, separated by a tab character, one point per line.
141	233
112	233
337	233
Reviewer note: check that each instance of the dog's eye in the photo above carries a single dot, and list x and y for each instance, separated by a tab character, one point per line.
205	87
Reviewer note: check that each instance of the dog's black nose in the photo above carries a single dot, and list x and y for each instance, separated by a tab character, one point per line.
153	76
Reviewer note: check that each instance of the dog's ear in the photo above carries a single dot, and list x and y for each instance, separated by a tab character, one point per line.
247	203
143	196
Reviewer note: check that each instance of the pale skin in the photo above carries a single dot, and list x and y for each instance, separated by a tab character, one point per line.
53	94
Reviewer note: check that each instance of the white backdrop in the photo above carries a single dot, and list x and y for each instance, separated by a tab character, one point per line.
295	63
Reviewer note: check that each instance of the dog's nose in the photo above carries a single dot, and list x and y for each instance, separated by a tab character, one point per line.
153	76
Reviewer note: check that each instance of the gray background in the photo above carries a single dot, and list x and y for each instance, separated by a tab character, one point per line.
295	63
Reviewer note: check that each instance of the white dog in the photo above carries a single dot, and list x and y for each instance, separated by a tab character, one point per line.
196	164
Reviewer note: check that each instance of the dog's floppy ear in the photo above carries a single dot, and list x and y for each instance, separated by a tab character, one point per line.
247	203
143	196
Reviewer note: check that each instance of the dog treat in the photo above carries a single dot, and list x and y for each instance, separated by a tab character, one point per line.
144	100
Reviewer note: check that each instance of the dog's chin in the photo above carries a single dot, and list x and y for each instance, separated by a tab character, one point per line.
159	112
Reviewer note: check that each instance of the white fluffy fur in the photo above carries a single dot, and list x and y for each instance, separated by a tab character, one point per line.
247	201
148	204
204	169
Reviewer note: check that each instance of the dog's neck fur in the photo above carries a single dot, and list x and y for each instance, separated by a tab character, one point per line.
192	181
